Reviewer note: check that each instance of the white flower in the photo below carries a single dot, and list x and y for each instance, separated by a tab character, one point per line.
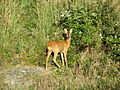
68	15
100	35
62	15
94	14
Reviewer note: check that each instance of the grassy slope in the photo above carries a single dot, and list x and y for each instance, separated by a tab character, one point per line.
26	26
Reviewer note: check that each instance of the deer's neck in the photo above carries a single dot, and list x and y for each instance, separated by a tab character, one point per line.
68	41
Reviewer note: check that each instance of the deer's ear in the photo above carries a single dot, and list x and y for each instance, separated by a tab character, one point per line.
65	30
71	30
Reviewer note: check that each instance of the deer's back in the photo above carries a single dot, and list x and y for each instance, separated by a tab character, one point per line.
57	45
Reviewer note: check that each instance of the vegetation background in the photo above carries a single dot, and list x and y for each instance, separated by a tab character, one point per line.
93	57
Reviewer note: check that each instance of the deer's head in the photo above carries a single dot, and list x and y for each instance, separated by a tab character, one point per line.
67	34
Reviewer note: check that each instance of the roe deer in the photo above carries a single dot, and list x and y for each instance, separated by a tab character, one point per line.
57	46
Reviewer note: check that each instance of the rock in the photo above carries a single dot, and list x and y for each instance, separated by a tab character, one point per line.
26	75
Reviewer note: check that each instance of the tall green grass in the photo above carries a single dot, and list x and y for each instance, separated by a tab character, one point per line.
26	26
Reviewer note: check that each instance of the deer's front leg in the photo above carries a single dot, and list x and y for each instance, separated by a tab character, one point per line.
62	59
65	55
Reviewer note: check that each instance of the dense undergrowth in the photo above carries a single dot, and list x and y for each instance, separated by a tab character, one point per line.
27	25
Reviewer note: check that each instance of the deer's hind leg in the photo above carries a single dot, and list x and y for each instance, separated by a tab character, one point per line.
54	58
49	53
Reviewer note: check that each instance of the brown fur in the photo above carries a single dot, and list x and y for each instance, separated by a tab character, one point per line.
57	46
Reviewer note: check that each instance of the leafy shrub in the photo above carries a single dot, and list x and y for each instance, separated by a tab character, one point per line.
86	26
110	28
94	27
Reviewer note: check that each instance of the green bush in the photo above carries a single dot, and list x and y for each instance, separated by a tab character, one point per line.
94	27
86	26
110	28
